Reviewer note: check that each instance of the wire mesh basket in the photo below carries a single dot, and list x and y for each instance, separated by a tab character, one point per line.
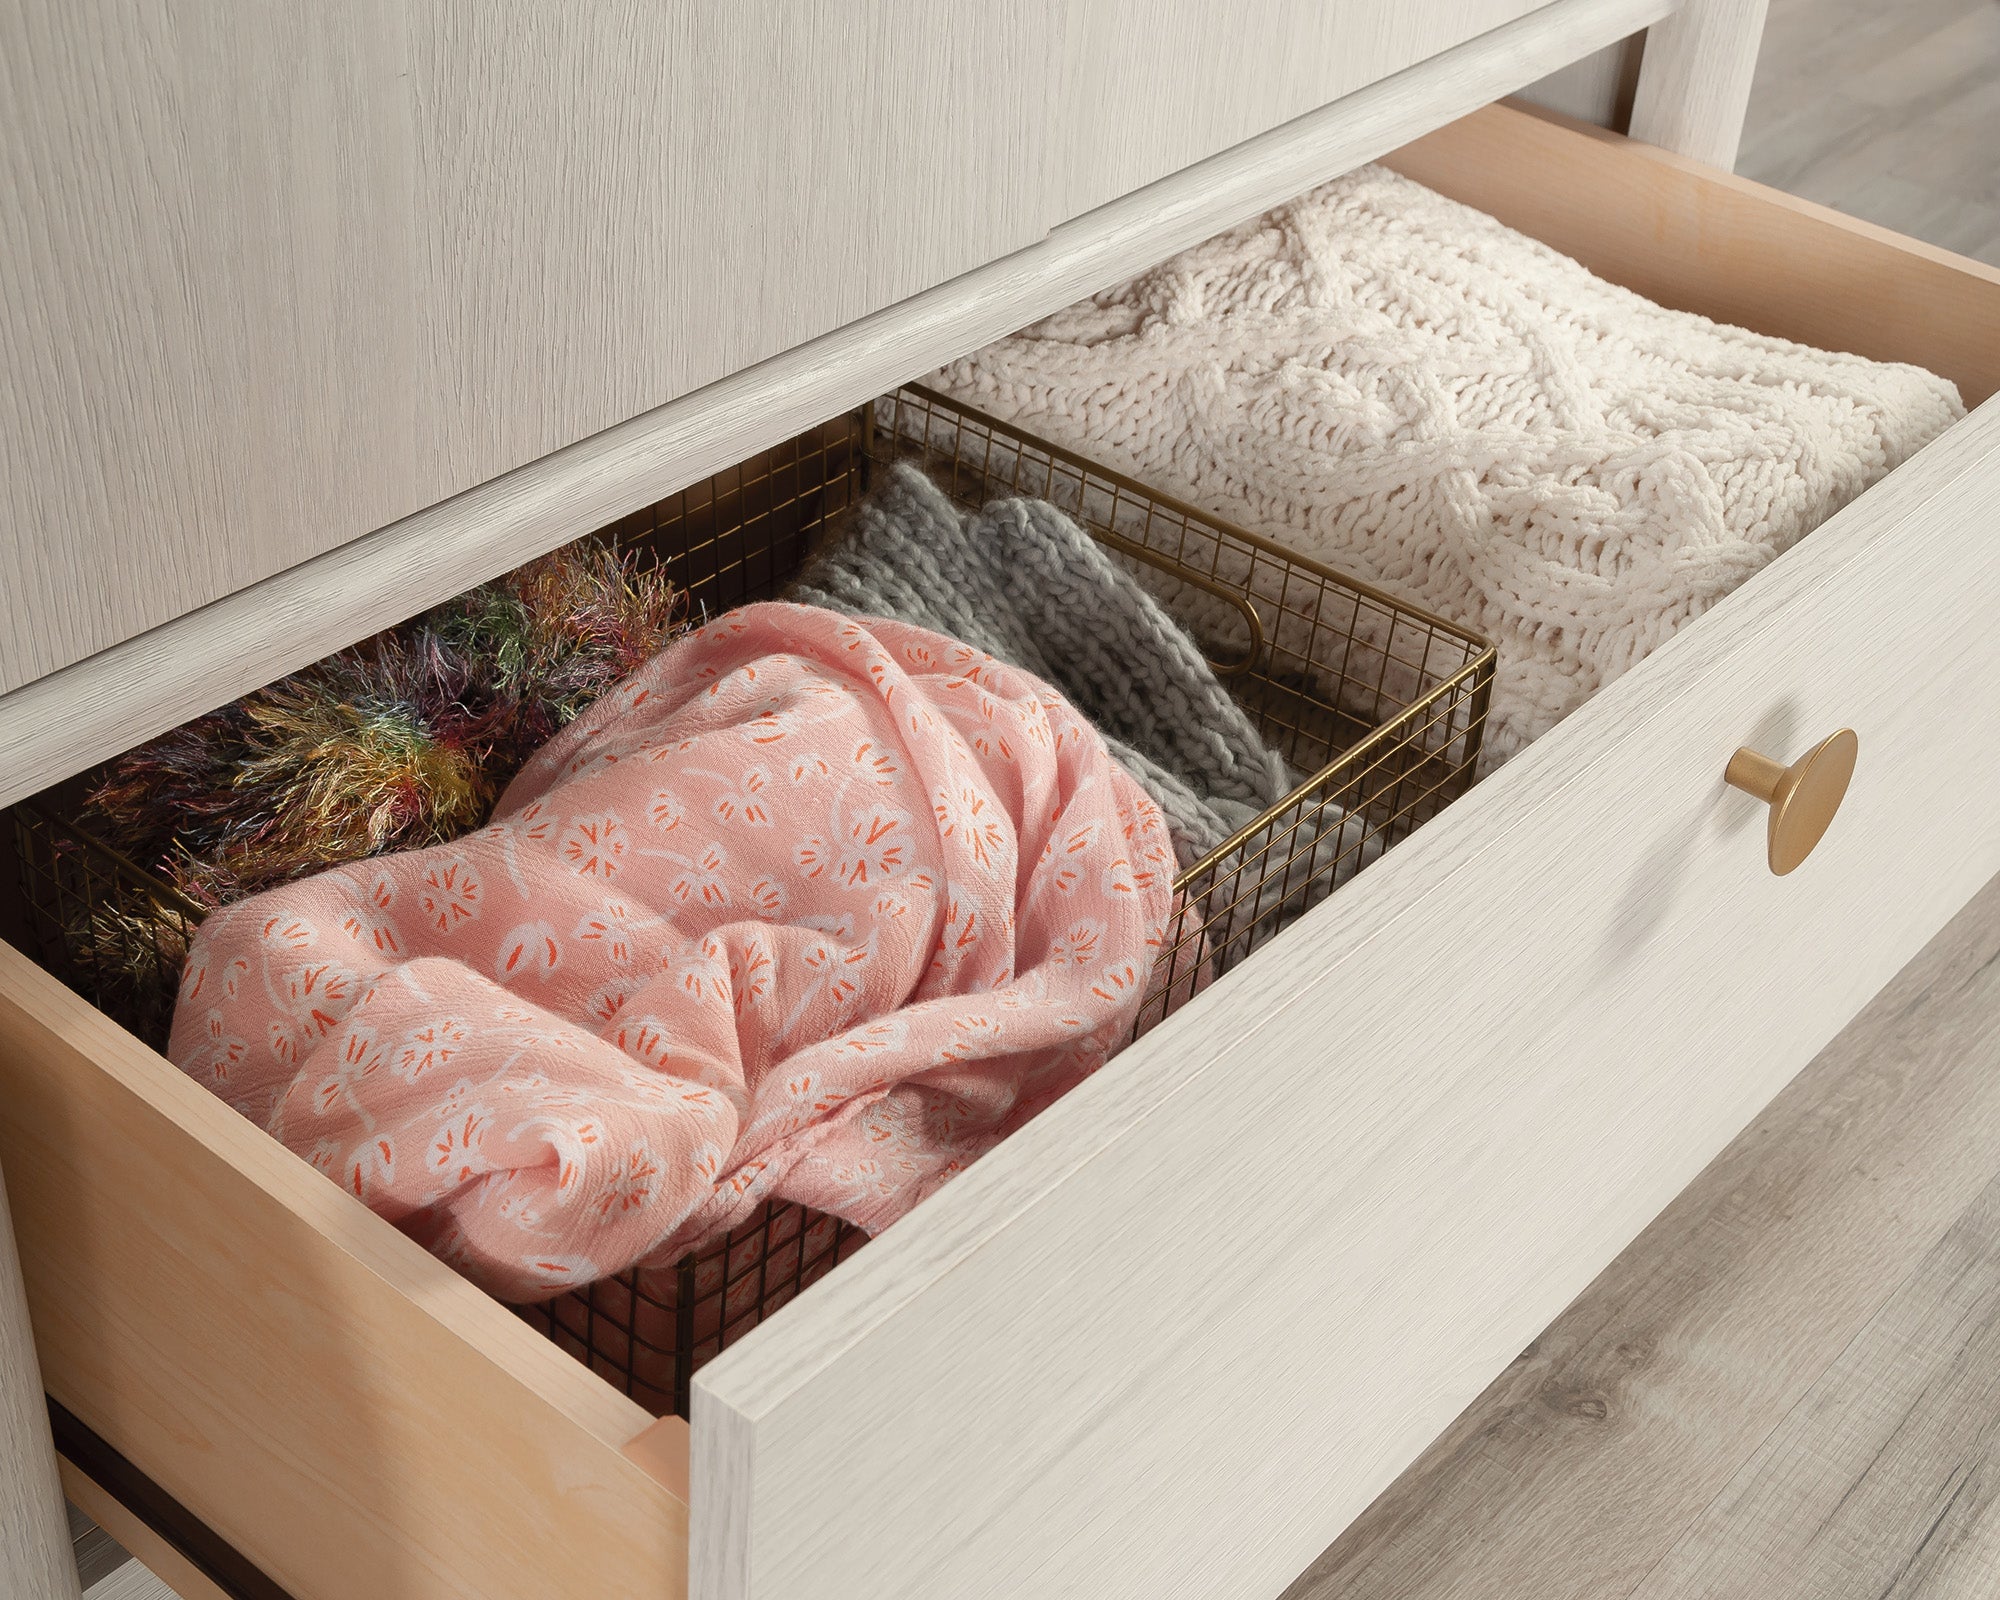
1378	708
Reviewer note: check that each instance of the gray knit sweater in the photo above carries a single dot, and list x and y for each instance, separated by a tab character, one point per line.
1023	582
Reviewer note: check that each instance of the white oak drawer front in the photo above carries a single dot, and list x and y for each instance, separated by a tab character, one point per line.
1174	1335
552	330
279	274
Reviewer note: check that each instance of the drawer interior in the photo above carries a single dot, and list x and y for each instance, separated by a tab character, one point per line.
1735	251
1376	705
1682	235
1449	1192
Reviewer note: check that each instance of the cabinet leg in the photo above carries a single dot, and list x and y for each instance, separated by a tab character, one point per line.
36	1561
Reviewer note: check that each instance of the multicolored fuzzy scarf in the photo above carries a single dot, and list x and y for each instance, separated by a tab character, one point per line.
403	741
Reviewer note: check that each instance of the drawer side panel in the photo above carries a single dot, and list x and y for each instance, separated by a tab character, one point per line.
344	1410
1727	247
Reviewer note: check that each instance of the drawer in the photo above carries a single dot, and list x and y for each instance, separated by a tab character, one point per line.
591	212
1172	1336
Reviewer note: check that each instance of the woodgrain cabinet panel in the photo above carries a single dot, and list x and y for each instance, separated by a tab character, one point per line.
1150	86
73	566
1184	1327
277	275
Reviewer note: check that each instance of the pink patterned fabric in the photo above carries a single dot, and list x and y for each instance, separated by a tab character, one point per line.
807	908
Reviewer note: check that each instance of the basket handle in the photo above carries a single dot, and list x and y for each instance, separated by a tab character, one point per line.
1180	574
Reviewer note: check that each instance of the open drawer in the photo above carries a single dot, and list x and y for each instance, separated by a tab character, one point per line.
1173	1335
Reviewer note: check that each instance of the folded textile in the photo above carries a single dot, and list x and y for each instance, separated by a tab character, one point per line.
1021	581
1403	387
806	909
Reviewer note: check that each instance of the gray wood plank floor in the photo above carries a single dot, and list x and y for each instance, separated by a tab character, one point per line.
1718	1333
1885	109
1884	1479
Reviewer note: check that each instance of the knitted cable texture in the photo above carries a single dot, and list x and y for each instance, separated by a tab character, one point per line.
1401	386
1023	582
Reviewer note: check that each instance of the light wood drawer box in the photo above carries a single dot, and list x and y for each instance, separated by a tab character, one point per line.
1147	1347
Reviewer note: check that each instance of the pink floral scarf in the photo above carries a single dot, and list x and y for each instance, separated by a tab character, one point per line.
808	908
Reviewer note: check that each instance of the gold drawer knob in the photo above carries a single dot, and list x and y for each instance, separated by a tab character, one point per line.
1803	797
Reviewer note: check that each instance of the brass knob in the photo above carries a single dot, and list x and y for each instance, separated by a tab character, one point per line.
1803	797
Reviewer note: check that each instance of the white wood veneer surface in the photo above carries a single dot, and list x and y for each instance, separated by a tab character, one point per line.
278	275
1694	79
1268	1253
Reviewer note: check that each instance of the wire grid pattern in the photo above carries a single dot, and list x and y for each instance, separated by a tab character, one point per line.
648	1331
1380	705
102	923
741	535
1377	705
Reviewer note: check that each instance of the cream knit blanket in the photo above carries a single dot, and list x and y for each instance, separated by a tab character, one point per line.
1399	385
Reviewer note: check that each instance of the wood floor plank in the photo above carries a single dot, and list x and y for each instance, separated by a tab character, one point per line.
1885	1480
1579	1467
1888	112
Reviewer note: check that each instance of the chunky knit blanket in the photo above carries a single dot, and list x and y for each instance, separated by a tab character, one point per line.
1021	581
1406	389
806	909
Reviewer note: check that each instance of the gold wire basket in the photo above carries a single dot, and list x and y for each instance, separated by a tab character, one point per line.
1379	708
